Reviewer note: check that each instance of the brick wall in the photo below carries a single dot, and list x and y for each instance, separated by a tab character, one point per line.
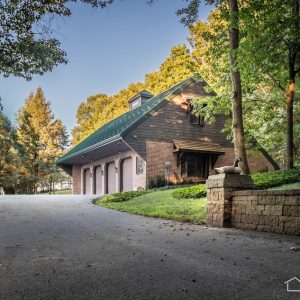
157	154
257	162
76	174
273	211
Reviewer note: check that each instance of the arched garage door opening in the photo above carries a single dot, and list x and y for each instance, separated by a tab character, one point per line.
127	175
111	178
98	180
86	181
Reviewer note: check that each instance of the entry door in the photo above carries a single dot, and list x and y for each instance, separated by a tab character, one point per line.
98	180
86	182
127	175
111	178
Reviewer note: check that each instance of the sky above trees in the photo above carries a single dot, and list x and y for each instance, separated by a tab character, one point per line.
107	49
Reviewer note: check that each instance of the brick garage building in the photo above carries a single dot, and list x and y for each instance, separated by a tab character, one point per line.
159	136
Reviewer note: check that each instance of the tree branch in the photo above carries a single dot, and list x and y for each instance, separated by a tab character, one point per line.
277	82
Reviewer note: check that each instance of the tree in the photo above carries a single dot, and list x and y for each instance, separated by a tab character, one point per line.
178	66
8	157
26	36
274	25
42	139
190	15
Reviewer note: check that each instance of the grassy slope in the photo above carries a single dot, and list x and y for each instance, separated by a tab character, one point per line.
161	204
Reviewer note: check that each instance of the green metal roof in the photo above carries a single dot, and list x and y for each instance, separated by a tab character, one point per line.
125	123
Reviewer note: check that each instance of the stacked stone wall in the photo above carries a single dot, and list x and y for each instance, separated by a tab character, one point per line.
273	211
232	202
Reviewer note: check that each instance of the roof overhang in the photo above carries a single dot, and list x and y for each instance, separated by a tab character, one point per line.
198	147
112	148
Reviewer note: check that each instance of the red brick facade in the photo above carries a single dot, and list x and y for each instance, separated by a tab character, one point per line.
162	161
159	153
257	162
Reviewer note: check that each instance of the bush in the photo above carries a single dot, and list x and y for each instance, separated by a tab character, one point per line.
275	178
121	197
157	182
196	191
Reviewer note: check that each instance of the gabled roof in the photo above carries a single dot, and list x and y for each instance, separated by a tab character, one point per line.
123	124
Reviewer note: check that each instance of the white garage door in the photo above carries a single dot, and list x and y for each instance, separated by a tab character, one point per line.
86	181
127	175
98	180
111	178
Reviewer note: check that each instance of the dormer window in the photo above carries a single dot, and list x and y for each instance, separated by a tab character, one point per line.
139	99
194	119
135	103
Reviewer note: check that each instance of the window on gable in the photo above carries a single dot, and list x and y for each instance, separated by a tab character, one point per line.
135	103
194	119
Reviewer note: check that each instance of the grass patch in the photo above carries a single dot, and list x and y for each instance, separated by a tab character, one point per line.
161	204
290	186
63	192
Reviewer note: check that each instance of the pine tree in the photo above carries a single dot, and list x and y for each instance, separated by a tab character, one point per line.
8	157
42	139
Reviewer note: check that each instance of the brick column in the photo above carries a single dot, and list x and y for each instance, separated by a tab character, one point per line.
219	202
118	174
76	175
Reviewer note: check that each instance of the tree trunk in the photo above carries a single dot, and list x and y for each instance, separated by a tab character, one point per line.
293	51
290	125
236	99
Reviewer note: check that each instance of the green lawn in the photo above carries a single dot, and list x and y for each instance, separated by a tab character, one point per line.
290	186
161	204
61	192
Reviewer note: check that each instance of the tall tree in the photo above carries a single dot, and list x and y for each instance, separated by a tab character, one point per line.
274	25
42	139
236	100
8	157
189	17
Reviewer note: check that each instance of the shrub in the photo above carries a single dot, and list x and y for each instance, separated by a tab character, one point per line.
196	191
157	182
121	197
275	178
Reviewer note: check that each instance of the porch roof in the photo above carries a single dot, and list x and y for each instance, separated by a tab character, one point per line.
198	146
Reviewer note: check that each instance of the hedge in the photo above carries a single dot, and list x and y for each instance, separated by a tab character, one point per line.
196	191
275	178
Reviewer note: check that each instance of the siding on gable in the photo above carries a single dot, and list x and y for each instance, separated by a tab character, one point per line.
171	122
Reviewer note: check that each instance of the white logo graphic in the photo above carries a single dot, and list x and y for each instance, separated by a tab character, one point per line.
293	285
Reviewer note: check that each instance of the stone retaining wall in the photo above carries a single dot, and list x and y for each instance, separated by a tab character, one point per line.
232	202
273	211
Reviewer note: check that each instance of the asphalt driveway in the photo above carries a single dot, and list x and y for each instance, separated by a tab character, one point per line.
64	247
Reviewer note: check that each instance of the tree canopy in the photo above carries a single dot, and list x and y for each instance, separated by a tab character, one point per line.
27	43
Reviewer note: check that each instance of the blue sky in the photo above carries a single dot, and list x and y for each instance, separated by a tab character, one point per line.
107	49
